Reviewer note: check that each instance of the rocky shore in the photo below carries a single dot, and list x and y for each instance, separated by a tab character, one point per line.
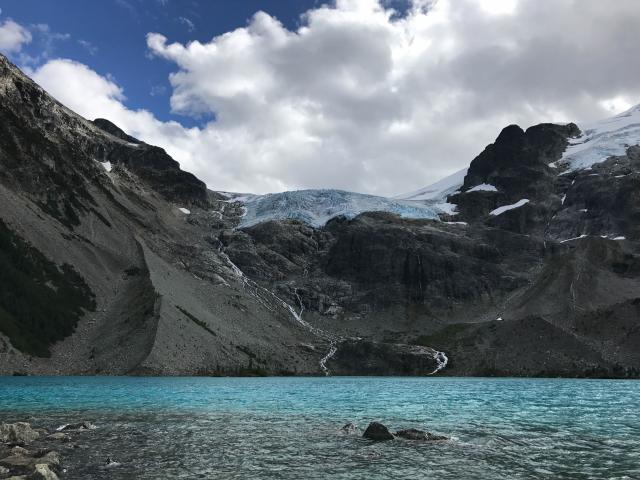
31	453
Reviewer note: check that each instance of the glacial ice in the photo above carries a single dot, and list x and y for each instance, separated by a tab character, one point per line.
602	139
317	207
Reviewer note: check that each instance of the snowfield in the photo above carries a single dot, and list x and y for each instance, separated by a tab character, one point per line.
603	139
437	191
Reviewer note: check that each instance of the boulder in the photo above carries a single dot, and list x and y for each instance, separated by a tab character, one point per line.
377	431
19	433
43	472
415	434
27	461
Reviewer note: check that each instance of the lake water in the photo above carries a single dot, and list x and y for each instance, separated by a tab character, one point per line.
287	428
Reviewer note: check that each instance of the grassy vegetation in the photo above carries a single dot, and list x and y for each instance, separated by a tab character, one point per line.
40	302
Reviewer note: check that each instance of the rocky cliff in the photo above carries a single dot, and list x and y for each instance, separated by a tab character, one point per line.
115	261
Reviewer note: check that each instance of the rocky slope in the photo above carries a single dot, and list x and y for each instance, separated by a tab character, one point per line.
114	261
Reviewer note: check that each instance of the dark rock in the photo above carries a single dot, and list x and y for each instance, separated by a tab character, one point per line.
377	431
414	434
113	129
363	357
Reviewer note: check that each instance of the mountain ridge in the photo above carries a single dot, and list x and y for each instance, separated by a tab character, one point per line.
182	286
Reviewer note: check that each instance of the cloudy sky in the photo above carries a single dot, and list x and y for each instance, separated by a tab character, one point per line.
373	96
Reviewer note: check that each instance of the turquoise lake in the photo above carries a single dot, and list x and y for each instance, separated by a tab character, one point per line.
288	428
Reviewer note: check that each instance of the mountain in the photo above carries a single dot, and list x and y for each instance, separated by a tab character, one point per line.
115	261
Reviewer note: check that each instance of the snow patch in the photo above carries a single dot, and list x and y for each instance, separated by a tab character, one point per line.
574	238
483	187
186	211
107	166
506	208
620	238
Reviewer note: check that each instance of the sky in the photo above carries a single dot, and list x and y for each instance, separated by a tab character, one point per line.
374	96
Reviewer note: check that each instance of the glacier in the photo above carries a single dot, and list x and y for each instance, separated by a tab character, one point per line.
599	140
316	207
602	139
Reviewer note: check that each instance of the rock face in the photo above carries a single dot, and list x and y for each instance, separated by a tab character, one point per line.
377	431
115	261
112	276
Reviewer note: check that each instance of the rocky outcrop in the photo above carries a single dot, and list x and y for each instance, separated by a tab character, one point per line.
378	432
517	165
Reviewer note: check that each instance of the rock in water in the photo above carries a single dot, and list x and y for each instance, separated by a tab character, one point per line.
43	472
76	426
377	431
349	429
19	433
63	437
415	434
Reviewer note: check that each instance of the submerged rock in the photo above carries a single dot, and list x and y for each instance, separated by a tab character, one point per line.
76	426
377	431
350	428
415	434
19	433
63	437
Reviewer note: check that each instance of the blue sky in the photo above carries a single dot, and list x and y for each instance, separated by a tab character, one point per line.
373	96
109	36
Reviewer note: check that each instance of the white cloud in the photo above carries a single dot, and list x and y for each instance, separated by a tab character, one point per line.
363	99
13	36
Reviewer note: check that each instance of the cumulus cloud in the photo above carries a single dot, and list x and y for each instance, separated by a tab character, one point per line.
13	36
363	98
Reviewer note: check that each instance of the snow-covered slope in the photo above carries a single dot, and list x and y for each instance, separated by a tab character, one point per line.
603	139
317	207
438	191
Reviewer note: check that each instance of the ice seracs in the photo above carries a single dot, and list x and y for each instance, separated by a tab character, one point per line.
317	207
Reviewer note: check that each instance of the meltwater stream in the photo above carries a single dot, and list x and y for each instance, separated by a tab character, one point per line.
265	297
288	428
